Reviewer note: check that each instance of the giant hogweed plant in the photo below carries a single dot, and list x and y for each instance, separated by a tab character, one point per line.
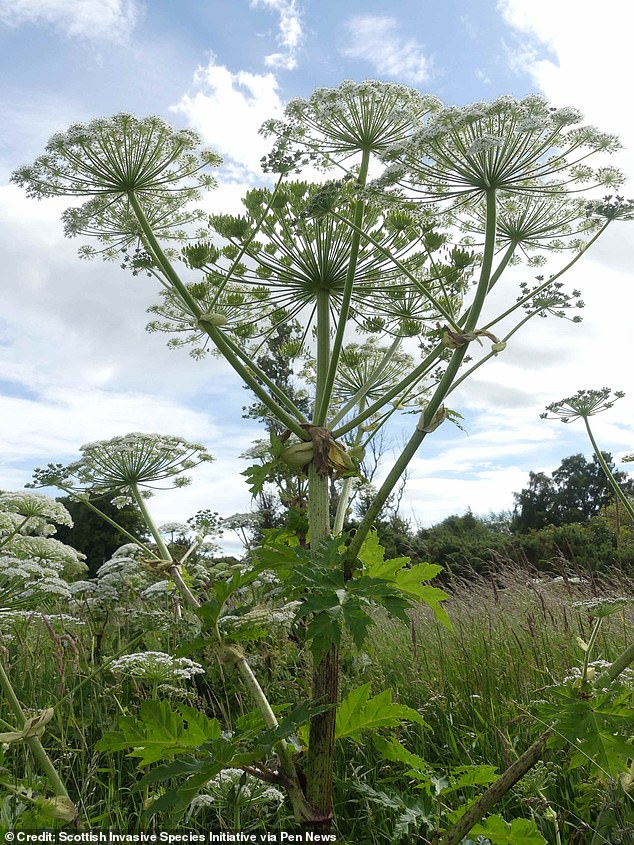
423	211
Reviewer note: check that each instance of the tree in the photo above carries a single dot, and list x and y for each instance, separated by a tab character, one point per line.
407	260
577	490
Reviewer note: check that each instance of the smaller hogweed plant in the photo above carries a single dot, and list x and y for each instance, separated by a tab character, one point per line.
34	567
583	405
388	264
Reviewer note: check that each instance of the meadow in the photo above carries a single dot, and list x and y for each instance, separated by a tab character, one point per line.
514	635
319	684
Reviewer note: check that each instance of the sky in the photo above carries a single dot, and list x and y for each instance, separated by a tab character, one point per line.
76	364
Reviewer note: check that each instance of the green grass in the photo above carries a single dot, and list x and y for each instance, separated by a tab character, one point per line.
474	684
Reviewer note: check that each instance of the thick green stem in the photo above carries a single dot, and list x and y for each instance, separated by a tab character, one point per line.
275	390
237	657
321	405
496	791
524	763
80	497
249	375
590	645
416	375
444	386
174	570
247	243
527	298
625	659
320	758
362	392
33	742
163	261
346	489
322	397
399	264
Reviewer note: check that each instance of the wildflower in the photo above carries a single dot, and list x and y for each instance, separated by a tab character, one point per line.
282	274
158	590
595	669
601	607
122	573
35	506
339	122
117	156
116	225
131	461
584	404
156	666
514	146
235	785
533	221
27	582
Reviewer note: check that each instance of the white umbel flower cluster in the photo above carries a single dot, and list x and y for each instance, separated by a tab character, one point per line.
156	666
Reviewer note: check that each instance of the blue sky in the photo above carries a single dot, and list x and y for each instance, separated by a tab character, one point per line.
75	362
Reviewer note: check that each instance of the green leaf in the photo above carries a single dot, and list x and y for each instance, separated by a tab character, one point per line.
358	712
408	581
257	475
159	733
391	749
472	776
197	771
518	832
598	728
210	611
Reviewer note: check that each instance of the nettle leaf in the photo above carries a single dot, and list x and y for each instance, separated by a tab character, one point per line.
598	728
518	832
159	733
358	712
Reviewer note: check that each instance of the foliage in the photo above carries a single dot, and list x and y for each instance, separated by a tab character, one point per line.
577	490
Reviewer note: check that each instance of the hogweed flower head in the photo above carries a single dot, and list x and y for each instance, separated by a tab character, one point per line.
116	156
136	460
602	607
35	506
515	146
156	666
584	404
339	122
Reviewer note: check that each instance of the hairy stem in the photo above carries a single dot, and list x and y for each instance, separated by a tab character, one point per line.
320	758
249	375
496	791
444	386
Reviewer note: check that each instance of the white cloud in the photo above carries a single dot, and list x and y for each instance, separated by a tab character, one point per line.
590	54
101	19
290	34
377	40
227	109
